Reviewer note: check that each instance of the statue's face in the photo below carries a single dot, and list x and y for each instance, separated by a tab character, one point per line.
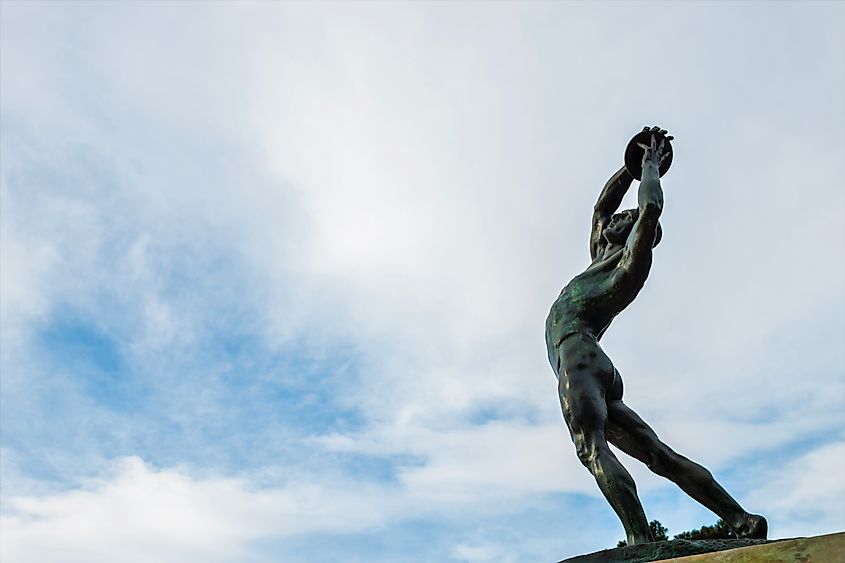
619	227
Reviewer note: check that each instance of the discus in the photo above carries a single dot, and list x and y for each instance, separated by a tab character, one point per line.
634	153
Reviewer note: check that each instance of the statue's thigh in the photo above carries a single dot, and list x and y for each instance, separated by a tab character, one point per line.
585	365
582	400
586	375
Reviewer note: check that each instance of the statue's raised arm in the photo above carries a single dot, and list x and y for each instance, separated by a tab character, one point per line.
609	201
638	248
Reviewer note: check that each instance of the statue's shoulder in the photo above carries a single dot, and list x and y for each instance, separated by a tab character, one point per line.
604	260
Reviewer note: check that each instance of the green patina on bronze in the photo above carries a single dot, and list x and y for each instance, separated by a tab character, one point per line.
590	386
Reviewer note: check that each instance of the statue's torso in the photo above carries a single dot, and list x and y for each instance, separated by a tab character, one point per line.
591	300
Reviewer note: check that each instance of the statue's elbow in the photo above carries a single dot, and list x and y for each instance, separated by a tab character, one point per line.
652	208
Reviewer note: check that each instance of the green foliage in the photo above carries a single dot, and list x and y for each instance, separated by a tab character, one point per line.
718	531
658	530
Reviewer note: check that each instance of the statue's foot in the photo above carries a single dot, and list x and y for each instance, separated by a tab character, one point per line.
752	526
639	540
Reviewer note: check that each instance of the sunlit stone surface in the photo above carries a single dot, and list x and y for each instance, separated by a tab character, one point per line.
820	549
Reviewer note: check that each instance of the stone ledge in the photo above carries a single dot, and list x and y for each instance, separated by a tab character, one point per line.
829	548
820	549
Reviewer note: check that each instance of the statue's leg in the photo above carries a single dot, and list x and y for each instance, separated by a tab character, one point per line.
627	431
582	399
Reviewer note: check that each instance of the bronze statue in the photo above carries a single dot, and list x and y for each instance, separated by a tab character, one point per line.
590	387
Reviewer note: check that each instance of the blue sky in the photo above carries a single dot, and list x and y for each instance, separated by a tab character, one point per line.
274	275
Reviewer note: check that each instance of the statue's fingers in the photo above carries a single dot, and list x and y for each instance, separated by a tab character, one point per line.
644	147
669	137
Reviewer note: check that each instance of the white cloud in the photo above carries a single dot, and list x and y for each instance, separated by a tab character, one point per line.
477	553
805	495
484	463
22	271
136	512
139	513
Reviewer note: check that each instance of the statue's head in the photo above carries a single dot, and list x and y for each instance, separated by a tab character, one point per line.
619	227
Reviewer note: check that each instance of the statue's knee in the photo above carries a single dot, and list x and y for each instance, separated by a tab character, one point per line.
585	456
703	476
666	463
660	462
587	453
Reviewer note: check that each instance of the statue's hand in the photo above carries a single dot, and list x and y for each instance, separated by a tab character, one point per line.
654	152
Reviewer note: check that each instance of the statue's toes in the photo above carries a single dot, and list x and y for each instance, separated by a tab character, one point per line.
756	528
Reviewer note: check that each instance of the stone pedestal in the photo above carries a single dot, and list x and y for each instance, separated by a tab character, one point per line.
820	549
